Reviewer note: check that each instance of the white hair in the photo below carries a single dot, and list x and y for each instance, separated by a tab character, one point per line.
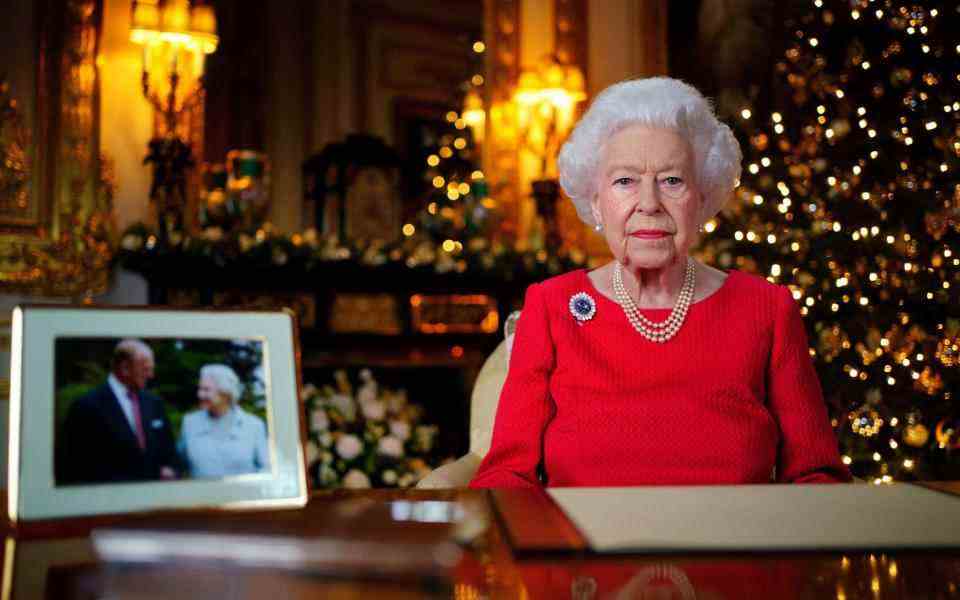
657	102
225	380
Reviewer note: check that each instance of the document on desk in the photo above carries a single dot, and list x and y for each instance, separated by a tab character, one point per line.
761	517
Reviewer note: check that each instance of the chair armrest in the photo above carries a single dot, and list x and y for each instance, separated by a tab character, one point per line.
452	475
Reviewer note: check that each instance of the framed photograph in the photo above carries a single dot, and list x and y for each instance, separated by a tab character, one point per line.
117	410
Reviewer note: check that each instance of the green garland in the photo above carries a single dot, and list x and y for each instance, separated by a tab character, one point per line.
141	247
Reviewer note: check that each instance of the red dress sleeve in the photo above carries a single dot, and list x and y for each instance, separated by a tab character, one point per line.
525	405
808	448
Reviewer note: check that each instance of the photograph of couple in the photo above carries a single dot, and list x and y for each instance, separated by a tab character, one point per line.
164	409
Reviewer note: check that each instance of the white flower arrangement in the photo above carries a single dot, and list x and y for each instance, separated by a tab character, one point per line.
366	437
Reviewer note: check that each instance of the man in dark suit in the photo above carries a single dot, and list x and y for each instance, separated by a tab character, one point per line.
118	432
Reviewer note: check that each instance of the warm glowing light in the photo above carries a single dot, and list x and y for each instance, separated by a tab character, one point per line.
409	229
433	160
474	115
175	39
479	47
745	113
438	181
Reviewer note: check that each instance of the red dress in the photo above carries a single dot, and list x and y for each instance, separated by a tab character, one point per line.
733	398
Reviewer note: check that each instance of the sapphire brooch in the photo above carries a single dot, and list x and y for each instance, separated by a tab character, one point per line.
582	307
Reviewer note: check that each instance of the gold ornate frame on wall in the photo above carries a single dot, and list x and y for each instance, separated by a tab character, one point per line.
500	158
55	213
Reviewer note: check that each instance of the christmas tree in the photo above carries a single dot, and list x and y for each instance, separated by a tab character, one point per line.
850	197
456	207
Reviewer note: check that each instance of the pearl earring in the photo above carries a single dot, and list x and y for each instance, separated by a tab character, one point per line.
598	227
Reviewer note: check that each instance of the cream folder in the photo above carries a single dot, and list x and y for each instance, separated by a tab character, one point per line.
762	517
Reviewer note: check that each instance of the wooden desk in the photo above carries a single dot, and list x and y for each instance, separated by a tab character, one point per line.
57	560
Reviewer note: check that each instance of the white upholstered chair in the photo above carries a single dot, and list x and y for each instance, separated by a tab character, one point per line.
483	411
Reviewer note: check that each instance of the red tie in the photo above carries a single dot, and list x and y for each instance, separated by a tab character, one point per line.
135	404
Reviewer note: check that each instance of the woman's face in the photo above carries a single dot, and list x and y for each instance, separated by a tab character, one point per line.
647	199
209	397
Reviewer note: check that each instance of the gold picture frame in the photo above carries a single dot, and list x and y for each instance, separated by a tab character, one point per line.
55	213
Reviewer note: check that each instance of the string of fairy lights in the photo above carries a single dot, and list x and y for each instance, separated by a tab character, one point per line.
850	198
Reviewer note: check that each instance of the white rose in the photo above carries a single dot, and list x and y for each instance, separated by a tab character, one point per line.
397	401
400	429
367	393
373	410
131	242
389	477
319	420
425	435
308	391
356	480
345	405
328	476
349	446
390	446
313	453
326	440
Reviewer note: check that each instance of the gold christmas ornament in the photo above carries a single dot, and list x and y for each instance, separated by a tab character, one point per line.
916	435
929	382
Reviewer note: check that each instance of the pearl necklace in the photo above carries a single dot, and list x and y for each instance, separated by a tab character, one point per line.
663	331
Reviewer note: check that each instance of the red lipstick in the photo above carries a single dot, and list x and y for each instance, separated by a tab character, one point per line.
649	234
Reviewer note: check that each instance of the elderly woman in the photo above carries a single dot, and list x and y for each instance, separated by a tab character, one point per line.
656	368
221	439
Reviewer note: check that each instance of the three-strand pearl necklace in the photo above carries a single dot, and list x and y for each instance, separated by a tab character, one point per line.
663	331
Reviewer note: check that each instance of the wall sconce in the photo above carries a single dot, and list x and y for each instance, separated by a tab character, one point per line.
546	101
175	37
